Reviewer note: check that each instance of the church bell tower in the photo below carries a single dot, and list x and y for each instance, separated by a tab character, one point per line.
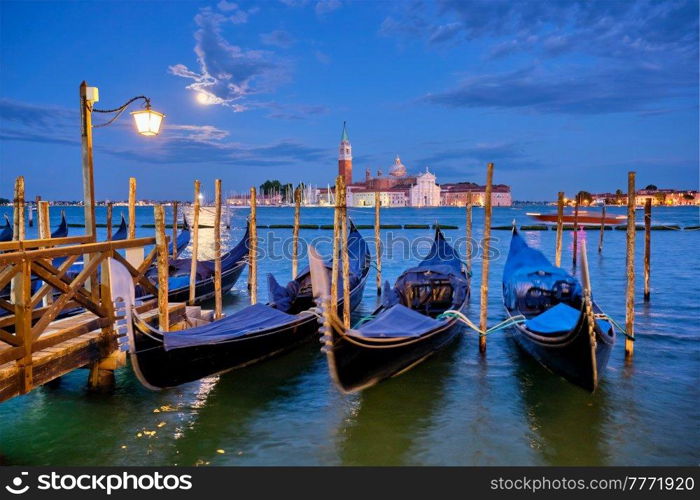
345	157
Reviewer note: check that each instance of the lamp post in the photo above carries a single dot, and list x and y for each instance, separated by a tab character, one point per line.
147	122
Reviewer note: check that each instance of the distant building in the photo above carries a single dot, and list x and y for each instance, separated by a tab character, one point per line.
667	197
455	195
425	192
400	189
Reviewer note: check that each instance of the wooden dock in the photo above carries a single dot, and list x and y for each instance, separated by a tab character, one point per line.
41	336
74	342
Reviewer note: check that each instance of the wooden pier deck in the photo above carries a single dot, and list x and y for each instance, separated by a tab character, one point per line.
38	343
74	342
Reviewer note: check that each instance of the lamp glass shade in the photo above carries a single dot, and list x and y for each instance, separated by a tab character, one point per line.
148	121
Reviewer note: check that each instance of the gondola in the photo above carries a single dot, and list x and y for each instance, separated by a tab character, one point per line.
161	360
413	322
62	230
555	321
121	231
7	231
232	264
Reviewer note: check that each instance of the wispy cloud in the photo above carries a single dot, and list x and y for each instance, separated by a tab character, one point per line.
592	57
608	90
278	38
228	73
326	6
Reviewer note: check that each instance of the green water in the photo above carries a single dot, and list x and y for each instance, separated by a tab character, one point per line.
457	408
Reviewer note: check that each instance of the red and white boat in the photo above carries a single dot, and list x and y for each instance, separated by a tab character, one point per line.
584	219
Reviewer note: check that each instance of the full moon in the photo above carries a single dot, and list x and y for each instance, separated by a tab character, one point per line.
203	98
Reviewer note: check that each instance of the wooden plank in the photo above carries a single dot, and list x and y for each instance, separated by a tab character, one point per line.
58	273
57	306
132	208
88	248
25	245
59	284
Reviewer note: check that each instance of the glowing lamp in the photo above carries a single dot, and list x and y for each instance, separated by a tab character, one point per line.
148	121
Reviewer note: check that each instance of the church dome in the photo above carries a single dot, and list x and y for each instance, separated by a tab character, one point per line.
398	169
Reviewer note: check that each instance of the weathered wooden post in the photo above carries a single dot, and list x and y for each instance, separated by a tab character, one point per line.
295	231
133	255
469	235
485	260
18	230
253	255
560	228
132	208
629	302
647	250
174	239
195	244
575	252
162	249
44	226
109	221
378	240
218	306
602	230
344	253
588	306
336	238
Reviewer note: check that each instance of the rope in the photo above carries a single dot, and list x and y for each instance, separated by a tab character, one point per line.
615	324
514	320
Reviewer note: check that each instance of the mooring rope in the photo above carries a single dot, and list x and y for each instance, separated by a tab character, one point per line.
615	324
513	320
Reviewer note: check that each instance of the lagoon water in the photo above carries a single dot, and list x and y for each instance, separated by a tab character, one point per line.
457	408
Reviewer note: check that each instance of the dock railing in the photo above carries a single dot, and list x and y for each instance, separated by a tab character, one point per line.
47	262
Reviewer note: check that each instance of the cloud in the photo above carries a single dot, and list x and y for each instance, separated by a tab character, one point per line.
295	112
32	115
326	6
593	56
278	38
228	73
574	91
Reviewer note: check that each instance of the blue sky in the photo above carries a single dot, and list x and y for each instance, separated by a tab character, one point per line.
561	95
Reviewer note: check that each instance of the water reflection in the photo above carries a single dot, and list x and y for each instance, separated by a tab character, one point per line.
226	422
565	422
386	420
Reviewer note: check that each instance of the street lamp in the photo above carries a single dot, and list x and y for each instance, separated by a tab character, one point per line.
147	122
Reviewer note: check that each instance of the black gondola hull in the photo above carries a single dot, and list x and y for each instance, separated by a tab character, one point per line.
354	367
160	369
569	355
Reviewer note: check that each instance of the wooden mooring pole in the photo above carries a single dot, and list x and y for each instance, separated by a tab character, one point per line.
132	208
469	236
336	238
629	302
602	230
195	245
162	249
174	240
378	239
18	230
485	259
575	252
44	226
253	255
110	208
218	305
647	250
560	228
295	232
344	253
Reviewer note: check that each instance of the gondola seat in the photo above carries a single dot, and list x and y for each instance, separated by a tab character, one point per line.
247	321
398	321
